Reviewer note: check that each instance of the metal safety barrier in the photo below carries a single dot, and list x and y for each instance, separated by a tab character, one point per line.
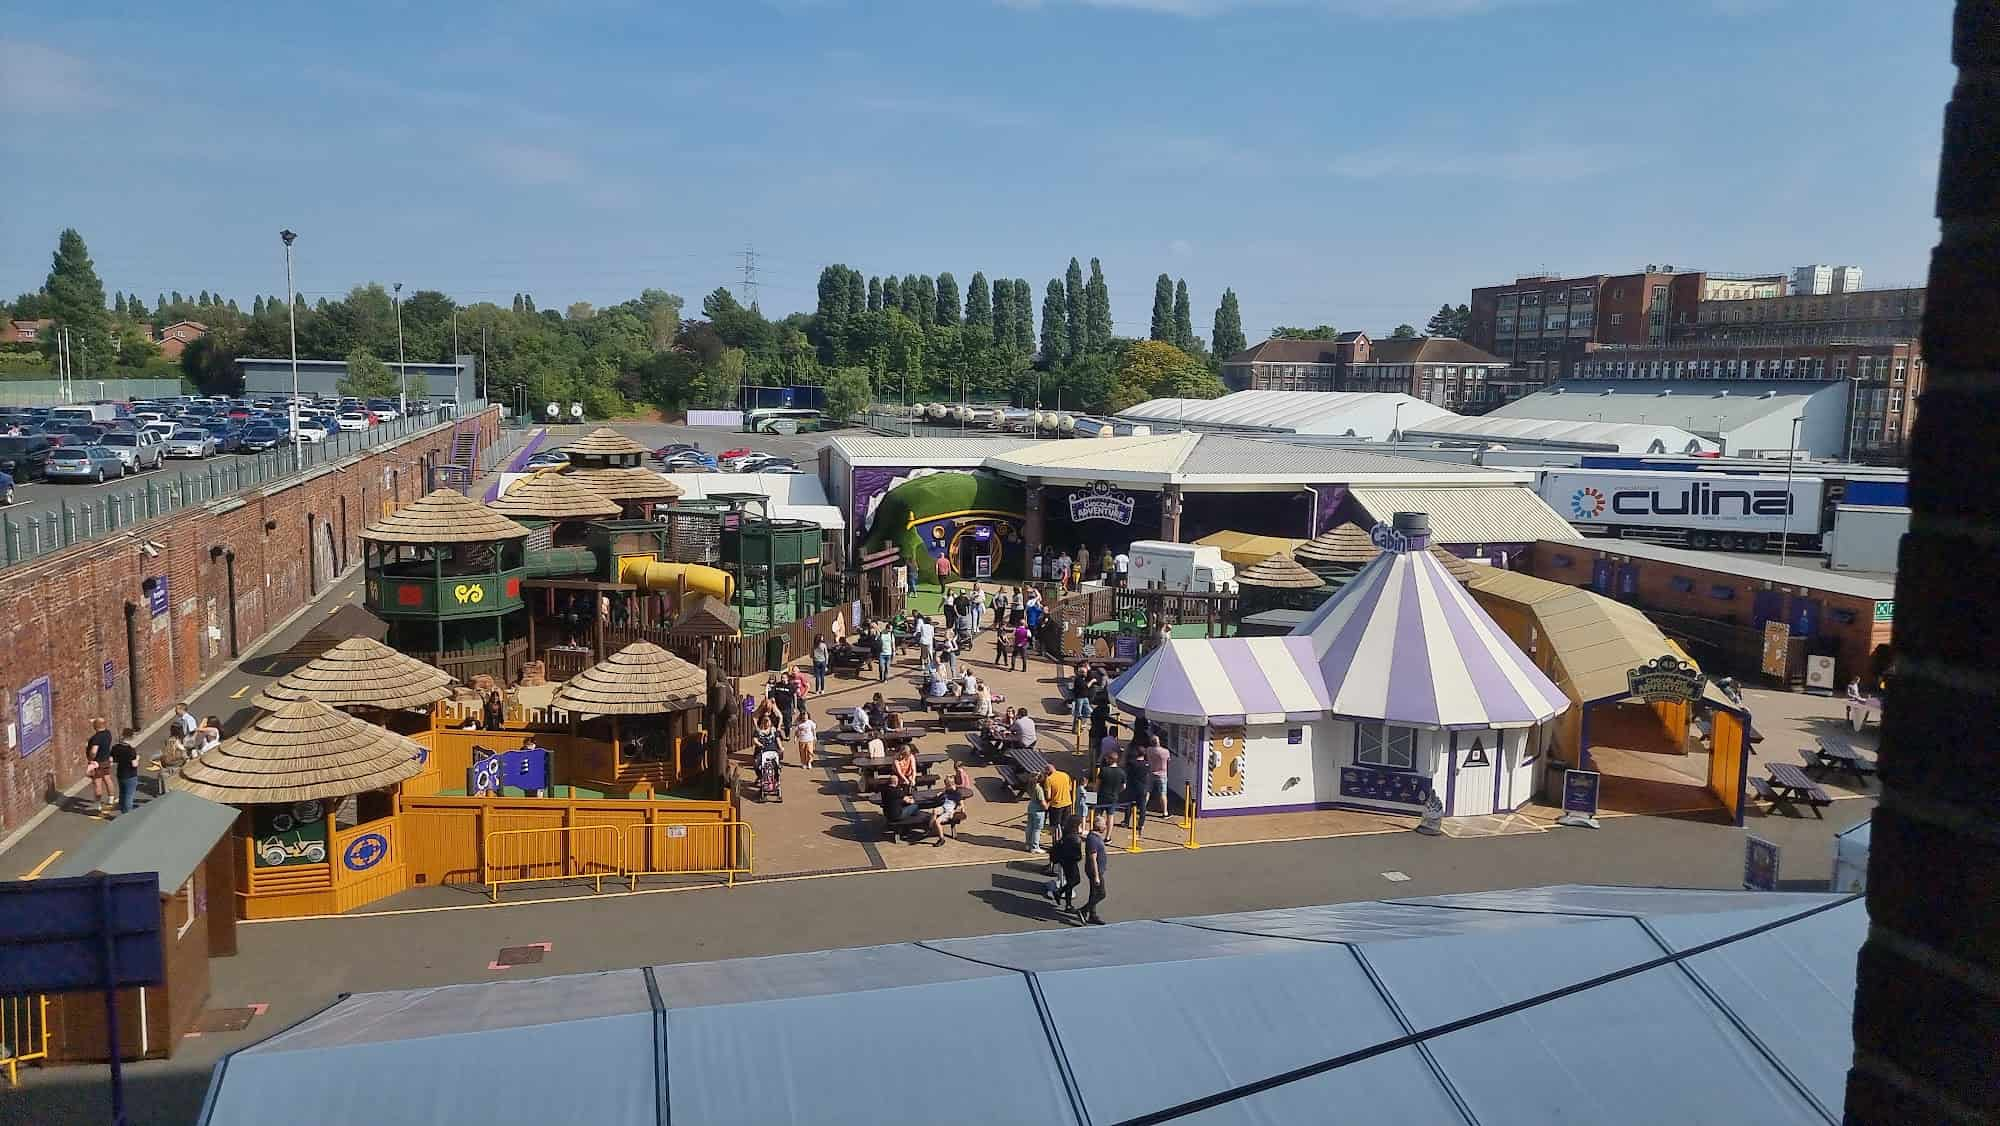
562	852
715	848
24	1032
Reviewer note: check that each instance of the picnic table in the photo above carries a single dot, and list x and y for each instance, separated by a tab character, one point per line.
846	655
1789	787
845	710
871	768
1836	754
891	737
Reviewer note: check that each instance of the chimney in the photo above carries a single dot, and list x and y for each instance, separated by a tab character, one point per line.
1415	527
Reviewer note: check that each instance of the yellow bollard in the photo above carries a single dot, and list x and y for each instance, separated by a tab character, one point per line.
1187	813
1133	845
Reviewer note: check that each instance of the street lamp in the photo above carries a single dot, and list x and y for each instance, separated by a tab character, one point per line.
1791	459
292	314
402	369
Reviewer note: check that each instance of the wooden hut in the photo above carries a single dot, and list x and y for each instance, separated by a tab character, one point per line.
641	680
1338	554
1276	594
360	673
288	772
185	839
554	499
633	488
604	448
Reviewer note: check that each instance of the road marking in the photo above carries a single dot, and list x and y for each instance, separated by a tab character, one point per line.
238	694
1396	877
39	868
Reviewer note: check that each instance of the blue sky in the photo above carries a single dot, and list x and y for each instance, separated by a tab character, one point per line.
1348	161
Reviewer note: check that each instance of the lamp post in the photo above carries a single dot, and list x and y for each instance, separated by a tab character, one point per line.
1791	459
292	314
402	369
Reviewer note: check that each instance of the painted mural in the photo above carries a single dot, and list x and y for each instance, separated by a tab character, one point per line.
952	525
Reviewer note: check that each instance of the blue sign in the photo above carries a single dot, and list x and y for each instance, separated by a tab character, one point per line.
54	930
1397	786
156	595
525	769
34	710
365	852
483	777
1580	792
110	675
1760	865
1386	537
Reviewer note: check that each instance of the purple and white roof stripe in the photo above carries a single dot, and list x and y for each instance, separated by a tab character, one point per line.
1231	678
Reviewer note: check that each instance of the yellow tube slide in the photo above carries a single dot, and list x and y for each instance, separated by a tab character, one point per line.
653	575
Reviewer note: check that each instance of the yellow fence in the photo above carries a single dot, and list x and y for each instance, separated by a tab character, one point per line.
592	852
24	1032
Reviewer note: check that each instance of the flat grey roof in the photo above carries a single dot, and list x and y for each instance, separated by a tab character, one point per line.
1742	566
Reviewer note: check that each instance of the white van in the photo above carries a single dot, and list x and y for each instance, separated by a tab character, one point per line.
1178	566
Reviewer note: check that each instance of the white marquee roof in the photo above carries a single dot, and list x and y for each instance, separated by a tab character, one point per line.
1365	414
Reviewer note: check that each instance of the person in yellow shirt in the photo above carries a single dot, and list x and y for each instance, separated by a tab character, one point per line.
1060	794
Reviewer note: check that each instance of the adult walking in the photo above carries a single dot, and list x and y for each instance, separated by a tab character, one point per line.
1095	869
97	765
1038	804
885	651
1021	640
1138	786
1059	792
1066	858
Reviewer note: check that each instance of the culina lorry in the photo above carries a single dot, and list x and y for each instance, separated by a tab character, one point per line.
1740	512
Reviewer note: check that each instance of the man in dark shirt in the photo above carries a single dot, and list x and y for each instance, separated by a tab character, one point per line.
1138	784
125	759
1108	783
1094	870
97	756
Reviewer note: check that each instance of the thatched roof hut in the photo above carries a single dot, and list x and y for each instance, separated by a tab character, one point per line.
302	751
443	517
1345	547
625	483
1279	572
553	496
604	442
1454	566
640	679
708	616
360	672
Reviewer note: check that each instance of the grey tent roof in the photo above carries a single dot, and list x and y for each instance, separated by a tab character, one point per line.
171	835
1100	1024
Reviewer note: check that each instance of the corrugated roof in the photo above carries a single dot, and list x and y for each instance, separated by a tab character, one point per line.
1469	515
1232	455
1746	567
1620	437
1368	414
940	453
1697	404
794	496
171	835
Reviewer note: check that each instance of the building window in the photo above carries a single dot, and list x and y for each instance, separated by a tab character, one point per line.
1617	318
184	903
1899	370
1378	744
1840	367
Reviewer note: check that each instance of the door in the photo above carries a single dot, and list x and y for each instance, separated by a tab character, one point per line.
1600	576
1472	786
1769	605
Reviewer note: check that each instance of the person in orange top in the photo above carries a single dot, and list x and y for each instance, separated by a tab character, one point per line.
1060	793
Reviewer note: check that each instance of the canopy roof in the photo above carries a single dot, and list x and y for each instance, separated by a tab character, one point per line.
1278	572
301	751
1756	1029
1403	643
1469	515
553	496
1225	680
708	616
1242	549
171	835
603	442
443	517
640	679
360	672
631	482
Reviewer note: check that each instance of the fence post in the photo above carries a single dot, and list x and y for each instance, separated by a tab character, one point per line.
68	524
10	540
152	500
111	513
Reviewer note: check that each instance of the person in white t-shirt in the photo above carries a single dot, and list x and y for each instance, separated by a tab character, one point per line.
806	733
1122	564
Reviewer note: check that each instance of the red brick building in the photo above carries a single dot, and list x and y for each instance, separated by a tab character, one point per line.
175	338
23	332
1450	373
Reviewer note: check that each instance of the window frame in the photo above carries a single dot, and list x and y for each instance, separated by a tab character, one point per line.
1372	737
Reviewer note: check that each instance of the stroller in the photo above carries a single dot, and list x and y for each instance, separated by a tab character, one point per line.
769	760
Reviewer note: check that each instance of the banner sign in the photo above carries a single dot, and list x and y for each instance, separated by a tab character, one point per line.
156	595
1666	679
34	709
1100	502
59	931
1386	537
1760	865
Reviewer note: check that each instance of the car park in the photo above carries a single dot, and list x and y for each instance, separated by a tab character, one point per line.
140	450
354	420
162	428
191	442
23	456
84	463
313	431
672	448
384	410
548	458
228	435
262	436
690	461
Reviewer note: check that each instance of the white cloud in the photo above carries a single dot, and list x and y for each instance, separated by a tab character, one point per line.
1552	163
35	78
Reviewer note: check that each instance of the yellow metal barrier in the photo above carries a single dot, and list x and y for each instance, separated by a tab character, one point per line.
24	1032
521	856
1187	814
715	848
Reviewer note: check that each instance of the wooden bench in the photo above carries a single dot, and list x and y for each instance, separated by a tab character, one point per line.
1789	787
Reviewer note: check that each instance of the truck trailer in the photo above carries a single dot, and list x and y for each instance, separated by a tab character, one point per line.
1739	512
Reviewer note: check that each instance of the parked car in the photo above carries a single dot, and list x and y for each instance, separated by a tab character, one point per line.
6	489
548	458
672	448
262	436
690	461
354	420
228	435
84	463
191	441
313	431
140	450
740	451
162	429
23	457
384	410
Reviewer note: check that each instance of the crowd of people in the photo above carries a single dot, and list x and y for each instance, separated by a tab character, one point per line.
1070	571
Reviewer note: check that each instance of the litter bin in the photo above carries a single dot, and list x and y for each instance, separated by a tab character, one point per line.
774	652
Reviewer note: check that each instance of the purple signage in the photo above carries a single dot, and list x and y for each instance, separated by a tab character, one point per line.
34	710
1100	502
156	595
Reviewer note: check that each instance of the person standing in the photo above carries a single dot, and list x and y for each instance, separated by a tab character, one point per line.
822	656
949	644
125	763
494	706
97	764
1063	564
806	734
885	650
926	638
1107	783
1155	754
978	608
1038	805
1121	564
1105	562
1095	860
1021	639
1138	787
1060	794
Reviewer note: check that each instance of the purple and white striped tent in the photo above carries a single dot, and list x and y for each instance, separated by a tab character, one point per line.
1226	679
1404	643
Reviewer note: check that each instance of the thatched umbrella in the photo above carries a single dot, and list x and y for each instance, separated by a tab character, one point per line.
443	517
552	496
301	752
1345	548
1279	572
604	442
629	483
360	672
640	679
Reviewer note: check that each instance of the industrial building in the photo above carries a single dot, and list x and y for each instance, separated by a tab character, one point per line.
1370	415
1745	418
455	382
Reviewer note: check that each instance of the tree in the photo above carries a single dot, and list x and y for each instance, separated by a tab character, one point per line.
716	304
1155	369
892	292
1226	338
1404	332
848	393
1184	337
209	363
257	306
1163	309
978	305
1440	322
926	301
76	302
906	349
1074	301
947	299
367	377
1003	312
580	311
1096	310
1023	297
1317	332
135	350
857	294
1461	322
874	295
1055	325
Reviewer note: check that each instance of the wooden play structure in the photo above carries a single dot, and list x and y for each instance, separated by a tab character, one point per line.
446	573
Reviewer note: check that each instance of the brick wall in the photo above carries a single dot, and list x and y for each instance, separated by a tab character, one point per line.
82	617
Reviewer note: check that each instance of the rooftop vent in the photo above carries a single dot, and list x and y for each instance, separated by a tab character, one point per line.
1722	394
1606	391
1665	391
